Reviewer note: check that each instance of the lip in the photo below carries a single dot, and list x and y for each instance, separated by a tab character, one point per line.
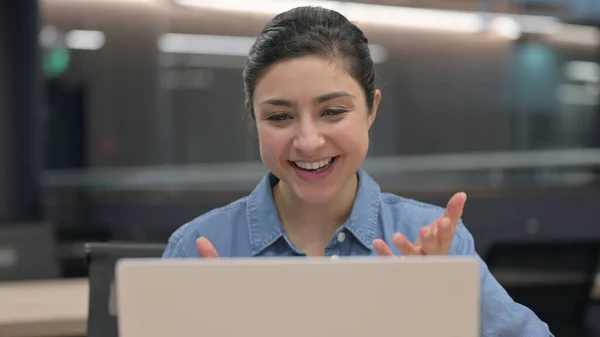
312	160
315	176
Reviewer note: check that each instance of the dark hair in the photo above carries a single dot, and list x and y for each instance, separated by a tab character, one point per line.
305	31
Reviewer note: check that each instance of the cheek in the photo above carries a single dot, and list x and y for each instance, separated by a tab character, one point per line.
272	143
351	135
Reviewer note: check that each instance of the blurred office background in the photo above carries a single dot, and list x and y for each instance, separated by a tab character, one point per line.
120	120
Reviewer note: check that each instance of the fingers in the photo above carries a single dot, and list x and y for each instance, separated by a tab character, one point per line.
446	230
206	248
454	211
455	207
428	238
405	246
434	239
401	242
382	248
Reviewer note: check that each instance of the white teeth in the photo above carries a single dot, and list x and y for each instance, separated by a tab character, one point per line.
315	165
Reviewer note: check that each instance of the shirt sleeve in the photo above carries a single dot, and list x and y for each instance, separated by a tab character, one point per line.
500	316
173	249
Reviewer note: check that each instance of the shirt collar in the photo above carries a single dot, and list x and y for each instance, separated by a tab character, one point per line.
265	227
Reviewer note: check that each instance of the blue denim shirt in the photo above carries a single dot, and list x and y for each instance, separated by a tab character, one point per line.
250	227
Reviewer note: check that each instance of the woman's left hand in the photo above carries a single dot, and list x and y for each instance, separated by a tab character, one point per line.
434	239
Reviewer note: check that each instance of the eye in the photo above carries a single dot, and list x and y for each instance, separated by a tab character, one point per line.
334	112
278	117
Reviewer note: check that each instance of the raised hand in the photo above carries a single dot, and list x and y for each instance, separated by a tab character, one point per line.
434	239
206	248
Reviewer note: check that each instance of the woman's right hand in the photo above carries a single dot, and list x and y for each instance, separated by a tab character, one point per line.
206	248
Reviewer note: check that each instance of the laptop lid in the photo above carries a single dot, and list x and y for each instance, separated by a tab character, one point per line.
351	297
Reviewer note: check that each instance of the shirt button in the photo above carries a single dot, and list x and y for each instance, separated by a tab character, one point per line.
341	237
335	257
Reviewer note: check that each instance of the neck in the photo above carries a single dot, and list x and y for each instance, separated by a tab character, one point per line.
310	224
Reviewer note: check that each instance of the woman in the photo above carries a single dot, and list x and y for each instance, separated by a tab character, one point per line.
310	89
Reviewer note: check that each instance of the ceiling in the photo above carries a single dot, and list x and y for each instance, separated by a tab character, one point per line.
575	11
501	6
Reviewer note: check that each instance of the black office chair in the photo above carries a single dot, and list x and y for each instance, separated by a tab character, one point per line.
552	279
101	259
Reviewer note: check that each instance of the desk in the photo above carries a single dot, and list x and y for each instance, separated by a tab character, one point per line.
54	308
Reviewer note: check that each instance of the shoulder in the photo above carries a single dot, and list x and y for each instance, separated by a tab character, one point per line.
217	219
408	216
214	225
410	209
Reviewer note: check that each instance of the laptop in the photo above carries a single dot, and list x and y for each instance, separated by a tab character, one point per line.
299	297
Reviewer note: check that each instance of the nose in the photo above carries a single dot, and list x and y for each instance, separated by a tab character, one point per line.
309	137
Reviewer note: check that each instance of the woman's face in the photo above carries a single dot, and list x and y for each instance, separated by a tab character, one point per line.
313	123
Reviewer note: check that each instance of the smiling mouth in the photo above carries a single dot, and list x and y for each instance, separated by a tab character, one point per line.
315	166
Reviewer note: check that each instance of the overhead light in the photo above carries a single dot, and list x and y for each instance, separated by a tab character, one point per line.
533	24
84	39
583	71
49	37
510	26
506	27
576	34
205	44
221	45
257	6
455	21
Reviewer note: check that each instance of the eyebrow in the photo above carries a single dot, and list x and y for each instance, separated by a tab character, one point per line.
330	96
319	100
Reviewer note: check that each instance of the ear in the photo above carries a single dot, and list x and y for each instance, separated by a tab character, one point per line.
376	100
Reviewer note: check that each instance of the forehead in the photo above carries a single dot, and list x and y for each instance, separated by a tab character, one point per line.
305	78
